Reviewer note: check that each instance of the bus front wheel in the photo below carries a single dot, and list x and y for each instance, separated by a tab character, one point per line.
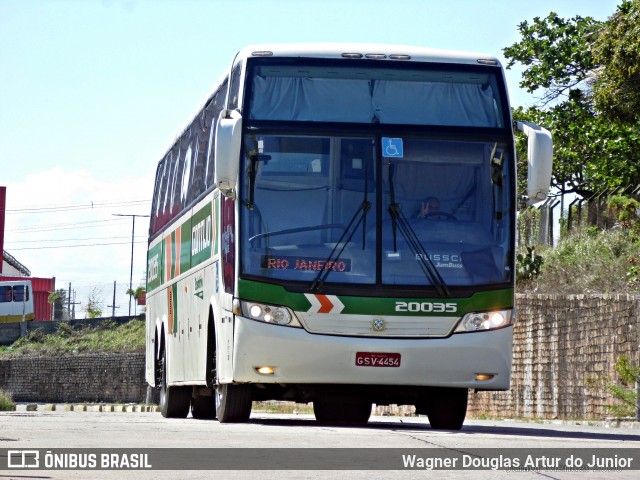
233	402
174	401
447	408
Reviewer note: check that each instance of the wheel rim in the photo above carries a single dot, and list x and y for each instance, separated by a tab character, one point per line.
163	385
218	394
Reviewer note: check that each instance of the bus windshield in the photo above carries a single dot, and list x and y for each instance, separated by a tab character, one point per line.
325	92
376	210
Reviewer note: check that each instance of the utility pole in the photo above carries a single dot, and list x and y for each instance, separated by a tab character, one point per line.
133	231
113	304
74	303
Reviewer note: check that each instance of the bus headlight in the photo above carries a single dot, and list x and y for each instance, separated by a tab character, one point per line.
483	321
262	312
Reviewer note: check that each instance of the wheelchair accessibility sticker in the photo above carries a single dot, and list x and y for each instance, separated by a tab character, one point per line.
392	147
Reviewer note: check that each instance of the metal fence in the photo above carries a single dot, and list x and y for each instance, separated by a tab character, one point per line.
560	216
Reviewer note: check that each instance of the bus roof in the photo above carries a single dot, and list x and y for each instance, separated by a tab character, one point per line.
367	51
389	52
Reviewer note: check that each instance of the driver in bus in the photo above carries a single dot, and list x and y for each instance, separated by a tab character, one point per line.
429	208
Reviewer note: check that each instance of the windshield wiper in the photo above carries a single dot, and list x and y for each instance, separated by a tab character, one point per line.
425	262
400	221
347	235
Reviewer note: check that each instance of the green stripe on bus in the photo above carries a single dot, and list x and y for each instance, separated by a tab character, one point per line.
155	266
201	237
185	246
275	294
174	293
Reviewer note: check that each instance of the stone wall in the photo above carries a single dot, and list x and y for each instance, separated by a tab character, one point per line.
77	378
560	342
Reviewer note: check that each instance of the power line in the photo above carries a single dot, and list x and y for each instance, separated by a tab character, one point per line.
67	208
61	226
76	246
140	238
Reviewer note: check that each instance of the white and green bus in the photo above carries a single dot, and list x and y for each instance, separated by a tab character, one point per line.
291	254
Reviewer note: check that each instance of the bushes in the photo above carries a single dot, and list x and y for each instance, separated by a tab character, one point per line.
108	337
623	389
586	262
6	402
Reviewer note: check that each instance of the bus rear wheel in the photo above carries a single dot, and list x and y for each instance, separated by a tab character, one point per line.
341	410
447	408
204	407
233	402
174	401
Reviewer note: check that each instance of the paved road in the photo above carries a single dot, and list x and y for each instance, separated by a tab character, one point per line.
111	430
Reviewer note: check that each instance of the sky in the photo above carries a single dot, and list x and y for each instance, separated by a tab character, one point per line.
93	92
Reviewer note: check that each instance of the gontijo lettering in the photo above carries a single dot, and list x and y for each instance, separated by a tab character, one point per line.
201	236
153	267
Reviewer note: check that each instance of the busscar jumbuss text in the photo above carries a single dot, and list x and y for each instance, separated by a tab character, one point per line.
336	225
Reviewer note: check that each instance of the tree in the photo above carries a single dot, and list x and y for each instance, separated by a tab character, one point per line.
136	294
556	54
93	308
58	299
617	49
591	152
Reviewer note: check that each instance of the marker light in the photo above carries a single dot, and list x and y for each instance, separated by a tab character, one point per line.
266	370
483	321
268	313
487	61
483	377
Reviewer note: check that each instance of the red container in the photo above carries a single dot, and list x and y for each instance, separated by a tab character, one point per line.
42	287
142	298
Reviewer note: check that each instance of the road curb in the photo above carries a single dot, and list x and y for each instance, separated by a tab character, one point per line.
86	407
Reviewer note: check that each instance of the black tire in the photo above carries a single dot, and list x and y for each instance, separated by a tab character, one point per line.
335	410
447	408
174	401
233	402
203	408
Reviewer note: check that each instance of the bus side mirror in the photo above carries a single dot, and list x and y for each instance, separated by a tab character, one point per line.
227	151
540	161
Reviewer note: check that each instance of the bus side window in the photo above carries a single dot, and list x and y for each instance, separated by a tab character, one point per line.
5	294
213	112
176	185
234	89
167	182
156	207
199	141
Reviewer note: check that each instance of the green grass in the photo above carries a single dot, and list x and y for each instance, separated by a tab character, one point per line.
282	407
108	337
588	262
6	402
